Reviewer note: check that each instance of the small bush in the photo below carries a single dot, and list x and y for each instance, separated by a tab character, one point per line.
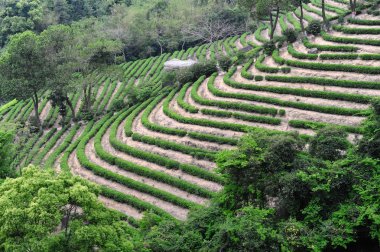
117	105
241	57
290	35
119	60
259	78
314	28
269	47
204	68
329	143
184	76
225	63
168	78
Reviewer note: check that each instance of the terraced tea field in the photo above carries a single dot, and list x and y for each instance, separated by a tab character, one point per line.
160	155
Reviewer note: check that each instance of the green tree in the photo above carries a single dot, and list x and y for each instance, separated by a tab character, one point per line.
61	82
329	143
45	212
262	9
300	3
24	70
6	153
18	16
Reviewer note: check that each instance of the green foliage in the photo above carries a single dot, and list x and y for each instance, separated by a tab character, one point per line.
291	35
53	199
339	48
169	78
350	40
349	30
6	153
225	62
329	144
314	28
17	17
269	47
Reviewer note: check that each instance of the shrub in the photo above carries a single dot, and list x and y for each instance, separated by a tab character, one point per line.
204	68
329	143
314	28
184	76
240	57
290	35
300	55
259	78
117	105
269	47
244	71
168	78
225	62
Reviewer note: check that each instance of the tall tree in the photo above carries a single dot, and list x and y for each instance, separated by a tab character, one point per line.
300	3
84	50
55	39
18	16
6	149
45	212
262	9
325	20
353	7
24	70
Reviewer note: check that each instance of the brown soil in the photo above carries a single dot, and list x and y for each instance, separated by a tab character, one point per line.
113	95
141	129
45	111
158	117
371	92
293	113
176	211
172	172
126	209
91	154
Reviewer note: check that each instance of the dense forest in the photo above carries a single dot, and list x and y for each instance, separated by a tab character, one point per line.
269	140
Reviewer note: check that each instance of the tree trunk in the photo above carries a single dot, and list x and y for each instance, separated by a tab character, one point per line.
301	18
325	22
89	97
84	107
271	26
36	114
161	47
275	23
70	104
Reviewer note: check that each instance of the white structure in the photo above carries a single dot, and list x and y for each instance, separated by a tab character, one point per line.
177	64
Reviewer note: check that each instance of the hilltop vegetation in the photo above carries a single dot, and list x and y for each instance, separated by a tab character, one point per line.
269	142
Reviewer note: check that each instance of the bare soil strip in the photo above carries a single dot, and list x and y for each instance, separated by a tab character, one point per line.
77	169
126	209
57	144
212	186
291	113
91	154
337	4
288	97
296	71
284	126
45	111
372	63
119	83
138	127
362	48
252	38
371	92
313	15
159	117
